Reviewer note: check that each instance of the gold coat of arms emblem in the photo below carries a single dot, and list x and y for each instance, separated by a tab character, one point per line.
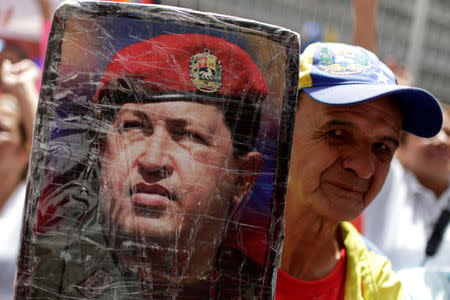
206	72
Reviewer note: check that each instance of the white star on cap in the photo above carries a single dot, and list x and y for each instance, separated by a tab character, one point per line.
383	79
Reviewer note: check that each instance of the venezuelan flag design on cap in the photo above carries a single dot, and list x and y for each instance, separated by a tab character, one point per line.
325	64
341	74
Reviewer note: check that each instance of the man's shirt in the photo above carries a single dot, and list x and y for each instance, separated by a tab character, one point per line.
331	287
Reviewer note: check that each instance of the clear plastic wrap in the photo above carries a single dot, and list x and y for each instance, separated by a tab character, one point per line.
160	156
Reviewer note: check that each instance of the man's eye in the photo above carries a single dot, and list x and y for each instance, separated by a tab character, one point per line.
195	137
336	132
190	135
336	136
382	148
132	124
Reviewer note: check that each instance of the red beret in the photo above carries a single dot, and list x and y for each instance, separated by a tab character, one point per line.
172	63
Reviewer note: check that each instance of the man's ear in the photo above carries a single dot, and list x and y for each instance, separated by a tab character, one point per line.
248	168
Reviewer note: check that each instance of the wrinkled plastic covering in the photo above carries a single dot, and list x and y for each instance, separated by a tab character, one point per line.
160	156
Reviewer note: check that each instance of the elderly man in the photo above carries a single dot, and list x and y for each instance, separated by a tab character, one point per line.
350	115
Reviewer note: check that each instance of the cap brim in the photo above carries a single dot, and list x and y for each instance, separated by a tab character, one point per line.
422	114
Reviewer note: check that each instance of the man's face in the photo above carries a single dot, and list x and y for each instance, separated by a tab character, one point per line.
341	156
428	157
167	173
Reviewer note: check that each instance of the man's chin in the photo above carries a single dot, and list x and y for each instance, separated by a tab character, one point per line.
147	234
140	246
345	209
149	212
150	256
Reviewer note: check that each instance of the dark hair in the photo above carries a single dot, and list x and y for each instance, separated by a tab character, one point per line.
241	115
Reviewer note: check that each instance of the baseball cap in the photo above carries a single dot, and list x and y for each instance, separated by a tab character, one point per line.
186	66
341	74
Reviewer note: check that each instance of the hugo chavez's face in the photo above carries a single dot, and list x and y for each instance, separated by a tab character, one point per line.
168	174
341	156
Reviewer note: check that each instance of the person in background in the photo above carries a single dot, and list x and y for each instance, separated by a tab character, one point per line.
364	24
18	101
350	114
13	53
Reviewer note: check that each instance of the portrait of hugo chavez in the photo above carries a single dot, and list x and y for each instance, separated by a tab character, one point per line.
164	155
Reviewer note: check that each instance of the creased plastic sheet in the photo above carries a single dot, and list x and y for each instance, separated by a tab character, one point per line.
160	156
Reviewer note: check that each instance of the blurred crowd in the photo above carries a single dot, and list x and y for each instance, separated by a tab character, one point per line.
407	221
19	84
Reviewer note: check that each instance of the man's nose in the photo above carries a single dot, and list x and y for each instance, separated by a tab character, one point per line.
156	161
361	162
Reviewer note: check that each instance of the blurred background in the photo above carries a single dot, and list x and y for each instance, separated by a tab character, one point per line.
413	32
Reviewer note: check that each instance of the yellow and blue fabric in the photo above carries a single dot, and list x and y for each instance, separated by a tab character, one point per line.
368	275
341	74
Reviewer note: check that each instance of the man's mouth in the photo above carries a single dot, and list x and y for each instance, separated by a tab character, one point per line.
349	187
150	200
